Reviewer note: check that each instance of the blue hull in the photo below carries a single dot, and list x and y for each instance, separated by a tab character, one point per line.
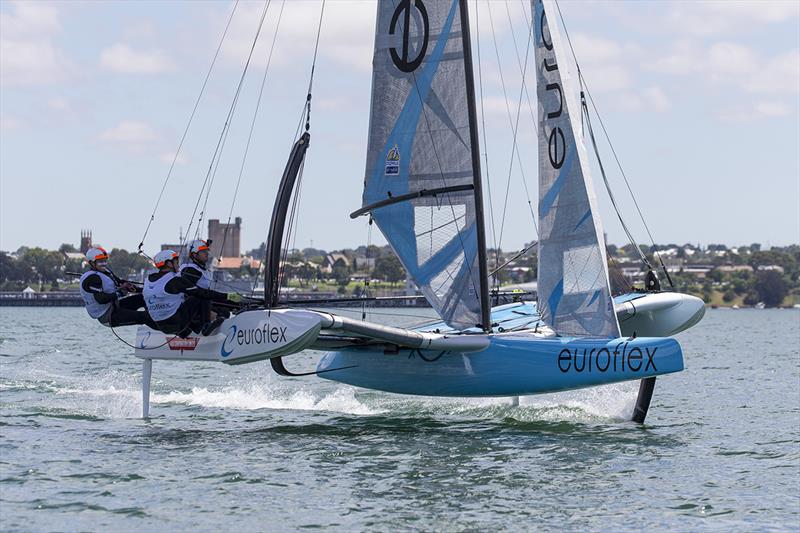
512	365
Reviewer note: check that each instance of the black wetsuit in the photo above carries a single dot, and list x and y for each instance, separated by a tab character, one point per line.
192	314
193	273
124	310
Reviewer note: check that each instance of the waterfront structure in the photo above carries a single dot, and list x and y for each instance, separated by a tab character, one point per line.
225	238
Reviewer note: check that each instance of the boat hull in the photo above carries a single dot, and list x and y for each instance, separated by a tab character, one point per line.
512	365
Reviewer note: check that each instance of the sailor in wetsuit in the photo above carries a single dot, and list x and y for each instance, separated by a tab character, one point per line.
175	302
105	294
196	270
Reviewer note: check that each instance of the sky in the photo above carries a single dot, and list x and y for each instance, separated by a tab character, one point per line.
700	99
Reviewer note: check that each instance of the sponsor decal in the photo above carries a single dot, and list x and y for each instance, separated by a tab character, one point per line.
244	337
392	167
603	360
177	343
144	339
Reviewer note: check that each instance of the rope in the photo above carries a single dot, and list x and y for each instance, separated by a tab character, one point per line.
138	347
252	127
186	130
224	133
608	185
514	129
614	152
485	144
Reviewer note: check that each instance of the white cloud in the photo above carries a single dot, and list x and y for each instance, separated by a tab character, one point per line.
733	64
346	37
27	53
122	58
649	99
169	157
130	132
29	19
773	109
780	74
58	104
717	17
8	123
750	112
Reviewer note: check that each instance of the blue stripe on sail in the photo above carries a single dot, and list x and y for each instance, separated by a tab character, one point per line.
550	197
405	128
555	298
595	296
582	220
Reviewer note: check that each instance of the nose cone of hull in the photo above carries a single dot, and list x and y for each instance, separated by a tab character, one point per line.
660	314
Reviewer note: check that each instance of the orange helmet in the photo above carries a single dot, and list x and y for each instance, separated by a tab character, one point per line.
96	253
163	256
198	245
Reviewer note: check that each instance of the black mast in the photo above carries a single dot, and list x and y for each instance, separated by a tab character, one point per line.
272	261
476	169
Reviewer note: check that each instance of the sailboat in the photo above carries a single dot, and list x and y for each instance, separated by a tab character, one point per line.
422	188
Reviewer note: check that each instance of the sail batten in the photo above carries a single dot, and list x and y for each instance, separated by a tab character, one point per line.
422	179
573	286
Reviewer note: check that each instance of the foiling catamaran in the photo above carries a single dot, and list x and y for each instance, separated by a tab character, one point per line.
422	188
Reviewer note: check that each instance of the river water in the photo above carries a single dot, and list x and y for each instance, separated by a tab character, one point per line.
242	447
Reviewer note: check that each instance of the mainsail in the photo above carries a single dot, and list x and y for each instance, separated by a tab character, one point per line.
422	182
573	287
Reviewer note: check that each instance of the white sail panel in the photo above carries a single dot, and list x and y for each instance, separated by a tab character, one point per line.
574	291
420	157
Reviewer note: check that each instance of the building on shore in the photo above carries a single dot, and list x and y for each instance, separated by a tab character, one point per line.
225	238
86	240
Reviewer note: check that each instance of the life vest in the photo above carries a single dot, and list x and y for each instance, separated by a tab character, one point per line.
205	279
160	304
93	307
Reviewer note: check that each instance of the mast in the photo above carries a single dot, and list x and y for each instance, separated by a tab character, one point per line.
272	260
486	322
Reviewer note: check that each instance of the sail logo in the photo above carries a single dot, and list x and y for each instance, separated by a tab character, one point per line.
404	8
604	360
556	141
245	337
392	167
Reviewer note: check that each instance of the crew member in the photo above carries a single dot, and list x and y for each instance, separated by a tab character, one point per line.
196	270
105	294
175	303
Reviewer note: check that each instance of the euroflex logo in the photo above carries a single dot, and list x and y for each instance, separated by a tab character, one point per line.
266	334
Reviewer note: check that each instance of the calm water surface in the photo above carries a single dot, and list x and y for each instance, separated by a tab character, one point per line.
241	447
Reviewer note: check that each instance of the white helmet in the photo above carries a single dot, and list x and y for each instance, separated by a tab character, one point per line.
198	245
96	253
163	256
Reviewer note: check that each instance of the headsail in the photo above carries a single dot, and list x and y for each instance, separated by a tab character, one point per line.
422	182
574	291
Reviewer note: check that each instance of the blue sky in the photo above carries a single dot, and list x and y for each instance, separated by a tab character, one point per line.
701	100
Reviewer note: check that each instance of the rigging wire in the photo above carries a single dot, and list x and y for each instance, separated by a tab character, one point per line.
252	126
523	69
485	145
224	133
291	230
514	128
616	158
186	130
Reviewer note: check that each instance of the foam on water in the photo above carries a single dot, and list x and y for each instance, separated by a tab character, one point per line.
251	397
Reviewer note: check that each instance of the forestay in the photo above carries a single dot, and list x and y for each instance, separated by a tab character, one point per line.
574	292
422	166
